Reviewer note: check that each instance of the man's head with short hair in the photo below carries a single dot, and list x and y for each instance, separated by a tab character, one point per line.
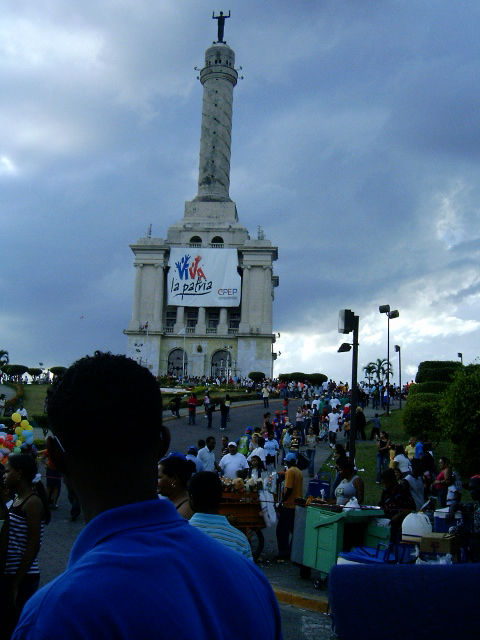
91	409
205	492
210	443
98	399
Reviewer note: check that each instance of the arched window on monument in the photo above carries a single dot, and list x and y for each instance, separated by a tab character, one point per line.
195	241
221	364
217	242
177	363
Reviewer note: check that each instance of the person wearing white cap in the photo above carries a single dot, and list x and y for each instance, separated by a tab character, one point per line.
233	462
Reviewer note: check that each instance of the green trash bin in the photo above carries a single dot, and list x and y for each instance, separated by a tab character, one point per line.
329	532
323	538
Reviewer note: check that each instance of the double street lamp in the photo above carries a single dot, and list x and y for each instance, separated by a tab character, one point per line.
385	308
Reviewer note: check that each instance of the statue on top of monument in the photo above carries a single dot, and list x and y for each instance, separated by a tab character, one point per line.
221	24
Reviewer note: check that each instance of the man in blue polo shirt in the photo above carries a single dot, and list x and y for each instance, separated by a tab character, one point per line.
205	492
137	570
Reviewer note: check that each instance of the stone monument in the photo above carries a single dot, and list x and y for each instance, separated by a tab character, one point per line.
203	297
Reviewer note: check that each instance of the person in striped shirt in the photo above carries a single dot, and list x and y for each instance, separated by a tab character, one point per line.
205	491
27	515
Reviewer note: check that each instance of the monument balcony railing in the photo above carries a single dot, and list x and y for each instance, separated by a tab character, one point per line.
190	330
195	245
211	330
217	245
168	329
233	332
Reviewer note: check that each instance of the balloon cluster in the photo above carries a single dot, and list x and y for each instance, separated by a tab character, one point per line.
12	442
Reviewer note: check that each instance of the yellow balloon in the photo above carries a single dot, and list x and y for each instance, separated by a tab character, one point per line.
24	424
29	428
16	417
18	431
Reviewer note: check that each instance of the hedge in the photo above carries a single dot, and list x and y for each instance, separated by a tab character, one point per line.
298	376
434	374
421	415
427	387
439	364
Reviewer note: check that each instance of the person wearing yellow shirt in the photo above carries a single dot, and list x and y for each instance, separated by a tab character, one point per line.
410	449
293	488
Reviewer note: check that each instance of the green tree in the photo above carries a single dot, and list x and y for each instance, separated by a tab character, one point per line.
256	376
15	371
316	378
369	370
460	419
57	371
34	372
378	370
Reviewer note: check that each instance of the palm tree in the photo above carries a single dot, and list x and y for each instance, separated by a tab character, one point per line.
369	370
380	370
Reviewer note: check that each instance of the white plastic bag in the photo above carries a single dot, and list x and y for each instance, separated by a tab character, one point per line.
268	508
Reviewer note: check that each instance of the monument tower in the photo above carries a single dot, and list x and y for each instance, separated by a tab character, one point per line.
203	296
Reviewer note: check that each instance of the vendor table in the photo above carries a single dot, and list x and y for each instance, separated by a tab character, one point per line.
244	512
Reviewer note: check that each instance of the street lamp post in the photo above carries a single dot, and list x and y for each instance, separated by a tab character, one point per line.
399	351
347	323
460	355
385	308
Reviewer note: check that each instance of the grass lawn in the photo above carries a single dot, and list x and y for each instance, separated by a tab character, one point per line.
34	396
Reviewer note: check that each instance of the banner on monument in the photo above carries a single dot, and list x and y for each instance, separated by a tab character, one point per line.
203	278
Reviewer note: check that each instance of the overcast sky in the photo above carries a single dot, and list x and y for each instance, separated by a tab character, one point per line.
355	146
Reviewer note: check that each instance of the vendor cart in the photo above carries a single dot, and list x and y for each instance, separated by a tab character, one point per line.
244	511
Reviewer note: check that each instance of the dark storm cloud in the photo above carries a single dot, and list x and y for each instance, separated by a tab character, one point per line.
355	139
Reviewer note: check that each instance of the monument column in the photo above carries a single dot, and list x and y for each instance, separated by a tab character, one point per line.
222	328
267	300
218	78
244	326
137	295
180	322
158	297
201	328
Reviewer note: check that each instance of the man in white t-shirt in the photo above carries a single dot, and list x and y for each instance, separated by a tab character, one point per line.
206	455
334	425
334	402
233	461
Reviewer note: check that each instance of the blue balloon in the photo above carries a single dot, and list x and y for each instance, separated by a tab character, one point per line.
14	437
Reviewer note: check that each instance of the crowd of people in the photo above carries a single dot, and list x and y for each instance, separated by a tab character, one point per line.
173	537
176	557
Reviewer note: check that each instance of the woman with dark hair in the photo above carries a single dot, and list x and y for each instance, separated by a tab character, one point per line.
256	467
174	474
400	461
351	485
27	515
